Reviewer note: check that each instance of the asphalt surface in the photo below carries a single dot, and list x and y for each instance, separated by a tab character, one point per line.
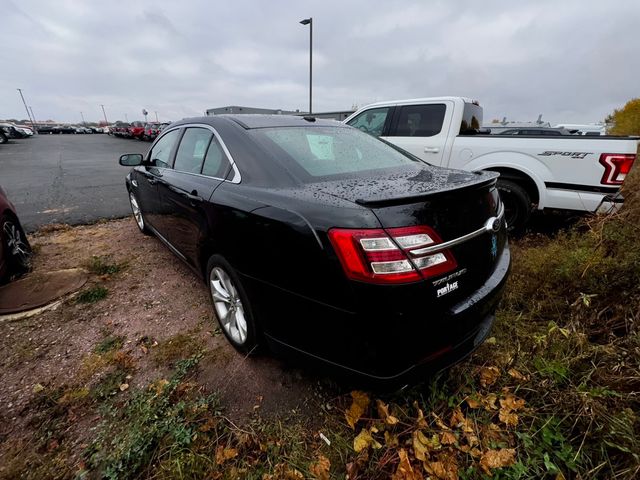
72	179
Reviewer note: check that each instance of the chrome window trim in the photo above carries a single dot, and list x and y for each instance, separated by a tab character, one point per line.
489	226
237	178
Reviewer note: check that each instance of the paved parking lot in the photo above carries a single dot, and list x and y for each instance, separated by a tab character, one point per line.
66	178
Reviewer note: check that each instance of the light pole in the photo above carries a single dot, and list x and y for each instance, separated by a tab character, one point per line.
27	109
105	115
309	21
158	121
83	121
33	116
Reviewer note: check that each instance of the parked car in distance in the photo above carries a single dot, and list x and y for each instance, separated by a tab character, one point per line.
136	130
151	131
15	251
27	131
121	129
537	172
66	129
318	240
46	129
3	136
10	131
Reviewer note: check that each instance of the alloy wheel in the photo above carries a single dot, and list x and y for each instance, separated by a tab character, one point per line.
228	305
16	244
137	213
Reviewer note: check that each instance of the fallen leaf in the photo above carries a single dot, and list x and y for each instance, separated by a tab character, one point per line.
364	440
508	418
488	376
439	421
489	401
458	420
503	457
511	402
472	403
508	406
123	386
448	438
358	406
420	445
445	468
320	468
405	471
422	423
37	388
223	454
383	413
517	375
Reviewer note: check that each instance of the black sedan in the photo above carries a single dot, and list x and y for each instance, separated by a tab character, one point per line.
319	240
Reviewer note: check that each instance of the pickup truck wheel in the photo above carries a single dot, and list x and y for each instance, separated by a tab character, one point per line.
517	205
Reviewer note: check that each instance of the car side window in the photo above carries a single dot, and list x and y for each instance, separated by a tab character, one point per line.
420	120
215	162
192	150
371	121
159	156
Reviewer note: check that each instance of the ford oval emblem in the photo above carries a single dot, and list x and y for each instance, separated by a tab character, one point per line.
495	226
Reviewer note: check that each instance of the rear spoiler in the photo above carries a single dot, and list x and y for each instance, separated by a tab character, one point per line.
374	201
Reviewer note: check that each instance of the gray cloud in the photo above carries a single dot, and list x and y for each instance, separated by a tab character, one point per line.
573	61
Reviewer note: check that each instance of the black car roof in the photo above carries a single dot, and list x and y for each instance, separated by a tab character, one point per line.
250	121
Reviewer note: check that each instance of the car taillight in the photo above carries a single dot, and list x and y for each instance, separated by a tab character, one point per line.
616	167
383	256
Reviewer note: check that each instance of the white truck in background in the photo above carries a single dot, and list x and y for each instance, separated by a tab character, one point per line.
568	172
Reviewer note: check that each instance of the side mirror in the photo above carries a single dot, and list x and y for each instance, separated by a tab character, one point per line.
131	159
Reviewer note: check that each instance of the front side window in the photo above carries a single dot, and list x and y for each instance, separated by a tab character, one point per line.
192	150
160	154
372	121
420	120
329	151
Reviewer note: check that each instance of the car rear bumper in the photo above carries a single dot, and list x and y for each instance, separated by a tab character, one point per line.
384	349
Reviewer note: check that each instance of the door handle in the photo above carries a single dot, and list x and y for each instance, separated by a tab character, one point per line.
431	149
194	198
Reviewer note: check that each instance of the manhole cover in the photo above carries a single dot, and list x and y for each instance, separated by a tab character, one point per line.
39	289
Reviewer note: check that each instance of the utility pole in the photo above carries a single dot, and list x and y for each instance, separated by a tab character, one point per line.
105	115
309	21
83	121
157	117
126	118
27	109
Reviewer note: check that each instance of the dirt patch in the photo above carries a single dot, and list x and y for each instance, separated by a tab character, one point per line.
141	311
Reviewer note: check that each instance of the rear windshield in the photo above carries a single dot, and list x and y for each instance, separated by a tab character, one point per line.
330	151
471	119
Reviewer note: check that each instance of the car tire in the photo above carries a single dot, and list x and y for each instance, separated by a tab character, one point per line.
517	205
16	246
230	303
3	138
138	216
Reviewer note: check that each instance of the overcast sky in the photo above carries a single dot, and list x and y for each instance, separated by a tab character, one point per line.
572	61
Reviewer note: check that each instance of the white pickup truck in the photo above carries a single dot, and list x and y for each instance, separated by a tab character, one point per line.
582	173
